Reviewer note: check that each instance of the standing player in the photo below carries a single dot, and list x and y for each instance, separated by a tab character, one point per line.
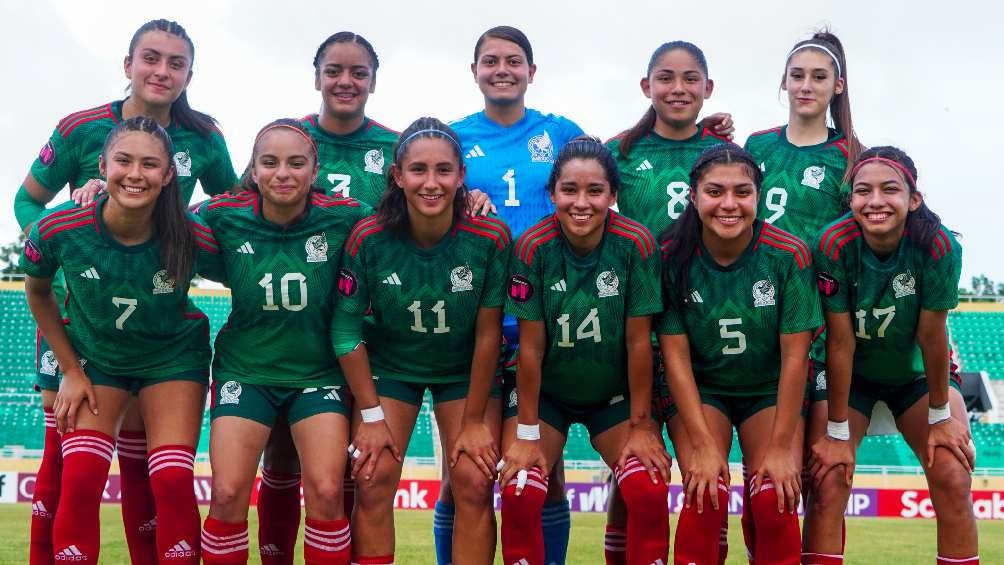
584	286
281	245
888	273
129	259
735	339
432	277
159	67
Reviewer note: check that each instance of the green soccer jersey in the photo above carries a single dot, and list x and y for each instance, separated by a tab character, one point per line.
734	316
71	154
885	297
282	281
354	165
423	302
584	303
655	177
803	187
124	314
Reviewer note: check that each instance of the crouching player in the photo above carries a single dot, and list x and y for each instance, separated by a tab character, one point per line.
584	287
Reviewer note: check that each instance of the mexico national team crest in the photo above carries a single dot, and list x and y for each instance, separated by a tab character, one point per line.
47	155
607	283
763	293
813	176
461	279
48	364
162	283
230	393
541	148
904	285
183	163
520	288
373	161
317	248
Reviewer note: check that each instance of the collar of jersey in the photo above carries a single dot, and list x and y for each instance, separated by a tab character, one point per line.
708	260
99	205
832	136
528	114
316	122
656	138
872	261
260	208
116	108
590	259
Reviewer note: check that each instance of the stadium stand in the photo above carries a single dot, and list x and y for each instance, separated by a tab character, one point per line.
979	339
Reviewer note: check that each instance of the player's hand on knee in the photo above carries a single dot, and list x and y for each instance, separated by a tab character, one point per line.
522	455
706	465
74	390
367	446
480	203
954	436
644	444
829	453
477	442
780	466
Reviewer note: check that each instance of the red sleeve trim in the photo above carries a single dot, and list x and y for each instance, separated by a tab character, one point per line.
325	201
941	246
798	247
374	123
634	231
539	233
365	228
69	123
776	129
837	236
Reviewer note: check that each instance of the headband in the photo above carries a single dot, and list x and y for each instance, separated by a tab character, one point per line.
822	48
267	129
888	162
429	131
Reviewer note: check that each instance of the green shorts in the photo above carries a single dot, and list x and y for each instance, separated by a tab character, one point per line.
597	418
412	392
135	384
899	398
46	369
737	409
264	404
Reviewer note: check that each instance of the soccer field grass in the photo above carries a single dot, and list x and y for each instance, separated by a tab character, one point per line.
872	541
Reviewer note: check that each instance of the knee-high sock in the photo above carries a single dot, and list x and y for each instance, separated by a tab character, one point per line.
442	532
698	535
327	542
809	558
76	536
615	546
172	469
647	512
749	533
224	543
139	512
45	500
522	534
556	521
373	560
974	560
778	540
278	516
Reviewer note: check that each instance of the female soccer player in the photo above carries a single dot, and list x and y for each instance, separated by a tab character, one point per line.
130	330
888	273
432	276
159	67
735	339
283	243
584	284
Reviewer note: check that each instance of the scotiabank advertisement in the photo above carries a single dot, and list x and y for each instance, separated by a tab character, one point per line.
585	497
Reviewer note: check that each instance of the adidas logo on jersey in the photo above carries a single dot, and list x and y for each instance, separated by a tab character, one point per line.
695	298
71	554
180	549
270	549
91	273
393	279
246	248
559	286
474	152
39	509
644	166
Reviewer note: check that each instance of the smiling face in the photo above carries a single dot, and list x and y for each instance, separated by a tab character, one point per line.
582	199
430	173
677	87
811	82
345	79
136	167
725	199
284	168
159	68
502	72
881	200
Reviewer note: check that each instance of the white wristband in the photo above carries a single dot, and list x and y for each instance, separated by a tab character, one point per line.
938	414
371	415
524	431
839	430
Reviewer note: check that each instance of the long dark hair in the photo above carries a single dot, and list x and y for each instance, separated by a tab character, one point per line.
922	224
172	229
392	211
681	239
346	37
840	104
247	181
181	112
586	147
647	121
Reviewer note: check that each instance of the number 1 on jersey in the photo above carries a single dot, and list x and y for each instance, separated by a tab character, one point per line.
439	309
510	178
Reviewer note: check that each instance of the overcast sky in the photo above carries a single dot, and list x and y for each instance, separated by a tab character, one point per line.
924	76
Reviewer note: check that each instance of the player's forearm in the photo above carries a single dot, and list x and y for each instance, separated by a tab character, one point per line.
487	345
528	386
45	310
639	368
933	341
356	366
840	346
791	386
675	350
26	209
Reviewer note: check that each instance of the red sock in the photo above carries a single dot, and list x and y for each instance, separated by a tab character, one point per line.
698	535
348	492
723	538
647	511
76	532
778	540
374	560
46	497
615	546
822	559
327	542
139	512
522	529
172	472
975	560
749	528
278	516
224	543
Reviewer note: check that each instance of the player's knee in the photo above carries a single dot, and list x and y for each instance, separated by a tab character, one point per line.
471	488
230	497
948	480
378	489
324	494
831	494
